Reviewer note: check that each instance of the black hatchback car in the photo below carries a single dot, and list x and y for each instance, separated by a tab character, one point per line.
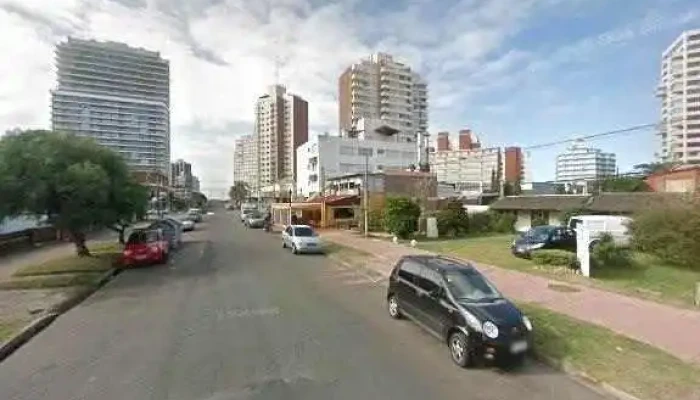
455	303
543	237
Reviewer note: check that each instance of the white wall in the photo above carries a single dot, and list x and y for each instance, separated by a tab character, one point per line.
523	221
341	156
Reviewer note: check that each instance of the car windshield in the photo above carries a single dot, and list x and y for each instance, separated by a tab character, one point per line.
469	285
303	232
539	233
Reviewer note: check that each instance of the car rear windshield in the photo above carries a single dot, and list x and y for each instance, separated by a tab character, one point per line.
141	237
255	214
303	232
469	285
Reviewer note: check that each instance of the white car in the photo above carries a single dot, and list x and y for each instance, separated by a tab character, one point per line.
301	239
187	225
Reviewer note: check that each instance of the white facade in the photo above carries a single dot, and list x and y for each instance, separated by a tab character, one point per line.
580	163
679	90
117	95
281	125
381	88
476	170
245	166
328	156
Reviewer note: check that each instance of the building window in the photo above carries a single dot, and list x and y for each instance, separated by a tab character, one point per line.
539	217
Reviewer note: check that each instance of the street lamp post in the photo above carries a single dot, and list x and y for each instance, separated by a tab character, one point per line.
290	206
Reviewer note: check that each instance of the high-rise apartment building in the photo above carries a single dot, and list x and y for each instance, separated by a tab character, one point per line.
580	163
380	88
117	95
679	90
281	125
245	161
181	179
471	168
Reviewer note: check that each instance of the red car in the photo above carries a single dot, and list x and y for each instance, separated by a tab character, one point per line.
145	247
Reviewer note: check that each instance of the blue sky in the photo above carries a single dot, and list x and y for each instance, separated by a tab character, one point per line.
519	72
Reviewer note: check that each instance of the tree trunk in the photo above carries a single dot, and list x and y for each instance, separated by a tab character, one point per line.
79	241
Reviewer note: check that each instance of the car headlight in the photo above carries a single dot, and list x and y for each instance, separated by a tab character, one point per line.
490	329
527	323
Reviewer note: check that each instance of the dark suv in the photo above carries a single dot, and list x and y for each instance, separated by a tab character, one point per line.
457	304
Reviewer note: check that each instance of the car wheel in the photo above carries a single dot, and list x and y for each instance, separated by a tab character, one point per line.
164	258
393	307
284	244
459	349
294	249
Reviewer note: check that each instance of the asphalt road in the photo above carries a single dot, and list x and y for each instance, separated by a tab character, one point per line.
234	316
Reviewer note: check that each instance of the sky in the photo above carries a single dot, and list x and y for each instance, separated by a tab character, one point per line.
523	72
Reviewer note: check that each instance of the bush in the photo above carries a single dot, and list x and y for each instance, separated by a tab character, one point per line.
401	216
607	254
453	221
481	222
670	232
554	257
376	220
502	222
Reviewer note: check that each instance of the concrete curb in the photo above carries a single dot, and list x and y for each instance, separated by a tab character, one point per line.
28	332
583	378
48	316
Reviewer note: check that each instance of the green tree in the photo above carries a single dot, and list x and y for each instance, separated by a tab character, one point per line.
401	216
453	220
623	184
654	167
73	181
239	192
199	200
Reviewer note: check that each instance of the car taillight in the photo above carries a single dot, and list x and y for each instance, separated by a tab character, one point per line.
155	248
128	252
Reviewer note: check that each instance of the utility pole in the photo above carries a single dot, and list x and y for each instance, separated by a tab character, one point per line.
365	195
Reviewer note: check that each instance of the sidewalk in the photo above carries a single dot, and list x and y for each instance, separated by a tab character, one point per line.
674	330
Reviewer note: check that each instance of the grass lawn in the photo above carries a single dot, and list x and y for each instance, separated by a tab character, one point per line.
626	364
101	261
9	328
51	281
648	278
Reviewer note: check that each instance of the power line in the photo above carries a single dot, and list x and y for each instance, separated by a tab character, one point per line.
594	136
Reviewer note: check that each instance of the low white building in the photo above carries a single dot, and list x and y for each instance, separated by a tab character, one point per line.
580	163
328	156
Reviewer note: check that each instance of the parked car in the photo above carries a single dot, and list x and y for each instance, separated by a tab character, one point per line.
195	214
255	219
615	225
188	225
458	305
172	230
543	237
246	213
146	246
301	239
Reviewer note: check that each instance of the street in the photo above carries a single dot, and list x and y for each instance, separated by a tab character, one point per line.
234	316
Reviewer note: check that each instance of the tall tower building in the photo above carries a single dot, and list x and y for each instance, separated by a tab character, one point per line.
679	90
117	95
381	88
245	161
281	125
